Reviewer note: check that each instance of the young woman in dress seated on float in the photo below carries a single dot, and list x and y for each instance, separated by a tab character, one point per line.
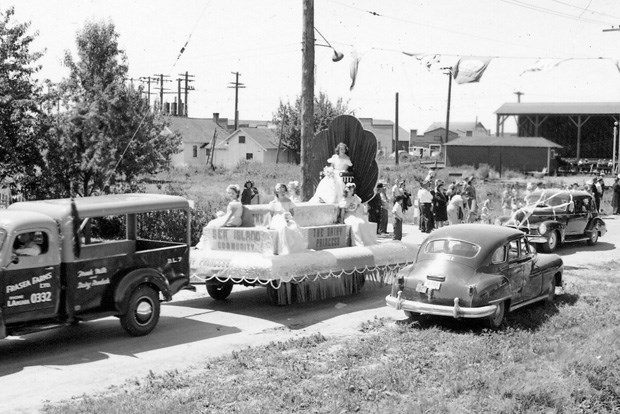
232	216
290	238
331	186
354	213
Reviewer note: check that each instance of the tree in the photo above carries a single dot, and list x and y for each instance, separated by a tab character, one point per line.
22	124
105	130
288	117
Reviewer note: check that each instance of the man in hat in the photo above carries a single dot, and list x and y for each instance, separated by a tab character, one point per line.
385	206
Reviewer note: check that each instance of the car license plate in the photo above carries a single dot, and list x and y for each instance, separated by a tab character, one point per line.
432	284
428	285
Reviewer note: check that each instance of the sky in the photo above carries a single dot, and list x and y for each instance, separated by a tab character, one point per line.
392	40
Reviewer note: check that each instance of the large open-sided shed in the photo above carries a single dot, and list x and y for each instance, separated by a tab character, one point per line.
501	153
583	129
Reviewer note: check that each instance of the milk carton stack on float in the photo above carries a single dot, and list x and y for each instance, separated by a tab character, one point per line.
331	265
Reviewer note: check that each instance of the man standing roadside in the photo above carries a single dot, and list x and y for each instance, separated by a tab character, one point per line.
385	206
472	204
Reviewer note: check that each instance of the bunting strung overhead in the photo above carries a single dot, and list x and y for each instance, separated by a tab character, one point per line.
470	69
542	65
355	61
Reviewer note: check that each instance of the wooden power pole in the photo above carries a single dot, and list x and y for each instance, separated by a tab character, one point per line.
307	97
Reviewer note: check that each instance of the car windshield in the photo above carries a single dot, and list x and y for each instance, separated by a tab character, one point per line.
554	199
453	247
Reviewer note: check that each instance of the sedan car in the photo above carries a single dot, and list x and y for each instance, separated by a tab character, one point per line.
475	271
559	216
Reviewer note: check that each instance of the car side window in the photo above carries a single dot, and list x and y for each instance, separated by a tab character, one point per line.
499	255
523	248
513	250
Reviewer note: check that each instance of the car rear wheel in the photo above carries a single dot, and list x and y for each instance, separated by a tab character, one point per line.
142	312
593	237
552	242
551	294
495	321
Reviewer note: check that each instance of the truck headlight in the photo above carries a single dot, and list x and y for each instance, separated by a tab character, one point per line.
542	229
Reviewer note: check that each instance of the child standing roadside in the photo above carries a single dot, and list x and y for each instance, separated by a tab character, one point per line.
397	212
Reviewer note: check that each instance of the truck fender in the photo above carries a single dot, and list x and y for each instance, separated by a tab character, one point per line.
138	277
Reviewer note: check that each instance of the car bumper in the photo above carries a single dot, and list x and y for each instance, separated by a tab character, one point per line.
536	239
456	311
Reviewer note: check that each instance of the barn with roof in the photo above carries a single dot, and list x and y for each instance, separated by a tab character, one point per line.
583	129
522	154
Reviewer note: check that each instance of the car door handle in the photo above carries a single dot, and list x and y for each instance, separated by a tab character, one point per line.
49	268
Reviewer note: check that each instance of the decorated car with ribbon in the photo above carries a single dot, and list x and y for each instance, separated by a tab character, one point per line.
553	217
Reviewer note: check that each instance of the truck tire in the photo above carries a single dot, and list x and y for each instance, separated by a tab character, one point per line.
220	291
142	313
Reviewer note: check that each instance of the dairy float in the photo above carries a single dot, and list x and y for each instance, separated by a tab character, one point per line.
333	261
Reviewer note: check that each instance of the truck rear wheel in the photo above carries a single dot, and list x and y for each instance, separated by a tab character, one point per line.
220	291
142	313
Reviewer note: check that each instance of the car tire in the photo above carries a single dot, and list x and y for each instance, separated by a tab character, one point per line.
495	321
593	239
552	242
551	293
142	311
220	291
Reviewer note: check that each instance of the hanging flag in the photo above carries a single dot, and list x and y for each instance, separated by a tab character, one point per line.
617	64
355	61
470	69
542	65
429	61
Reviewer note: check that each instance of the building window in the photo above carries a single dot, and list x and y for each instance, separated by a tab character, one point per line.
241	139
249	156
195	151
469	133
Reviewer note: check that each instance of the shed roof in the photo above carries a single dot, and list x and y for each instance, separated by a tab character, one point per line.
491	141
456	126
560	108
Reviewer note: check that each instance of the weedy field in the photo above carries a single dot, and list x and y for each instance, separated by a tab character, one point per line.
562	357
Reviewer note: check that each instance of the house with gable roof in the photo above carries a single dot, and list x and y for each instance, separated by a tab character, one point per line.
197	134
251	144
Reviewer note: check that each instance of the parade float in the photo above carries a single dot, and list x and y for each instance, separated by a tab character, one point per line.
332	264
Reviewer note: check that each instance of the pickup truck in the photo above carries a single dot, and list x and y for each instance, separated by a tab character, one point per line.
64	261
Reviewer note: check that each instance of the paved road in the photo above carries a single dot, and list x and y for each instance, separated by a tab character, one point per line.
84	359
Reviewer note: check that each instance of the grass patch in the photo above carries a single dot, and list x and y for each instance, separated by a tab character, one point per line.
562	358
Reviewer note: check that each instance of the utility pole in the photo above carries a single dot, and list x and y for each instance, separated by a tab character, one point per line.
236	85
161	77
396	154
518	93
307	97
147	80
449	73
187	89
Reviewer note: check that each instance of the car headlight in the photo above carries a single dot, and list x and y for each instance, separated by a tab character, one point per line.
542	229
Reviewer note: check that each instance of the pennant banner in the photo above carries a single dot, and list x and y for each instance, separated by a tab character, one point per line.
470	69
542	65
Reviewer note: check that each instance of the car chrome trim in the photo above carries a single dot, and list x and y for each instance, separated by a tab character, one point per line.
528	302
455	311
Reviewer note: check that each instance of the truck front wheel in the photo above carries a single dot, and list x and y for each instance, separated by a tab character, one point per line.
142	312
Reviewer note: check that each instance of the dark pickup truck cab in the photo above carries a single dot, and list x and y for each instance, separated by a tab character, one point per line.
62	263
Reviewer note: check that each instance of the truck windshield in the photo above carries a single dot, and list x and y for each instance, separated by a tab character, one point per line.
2	237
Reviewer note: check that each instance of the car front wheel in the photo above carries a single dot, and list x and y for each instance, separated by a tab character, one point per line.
593	237
142	312
495	321
552	242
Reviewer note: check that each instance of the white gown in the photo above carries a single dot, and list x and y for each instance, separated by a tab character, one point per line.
355	217
331	186
290	238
